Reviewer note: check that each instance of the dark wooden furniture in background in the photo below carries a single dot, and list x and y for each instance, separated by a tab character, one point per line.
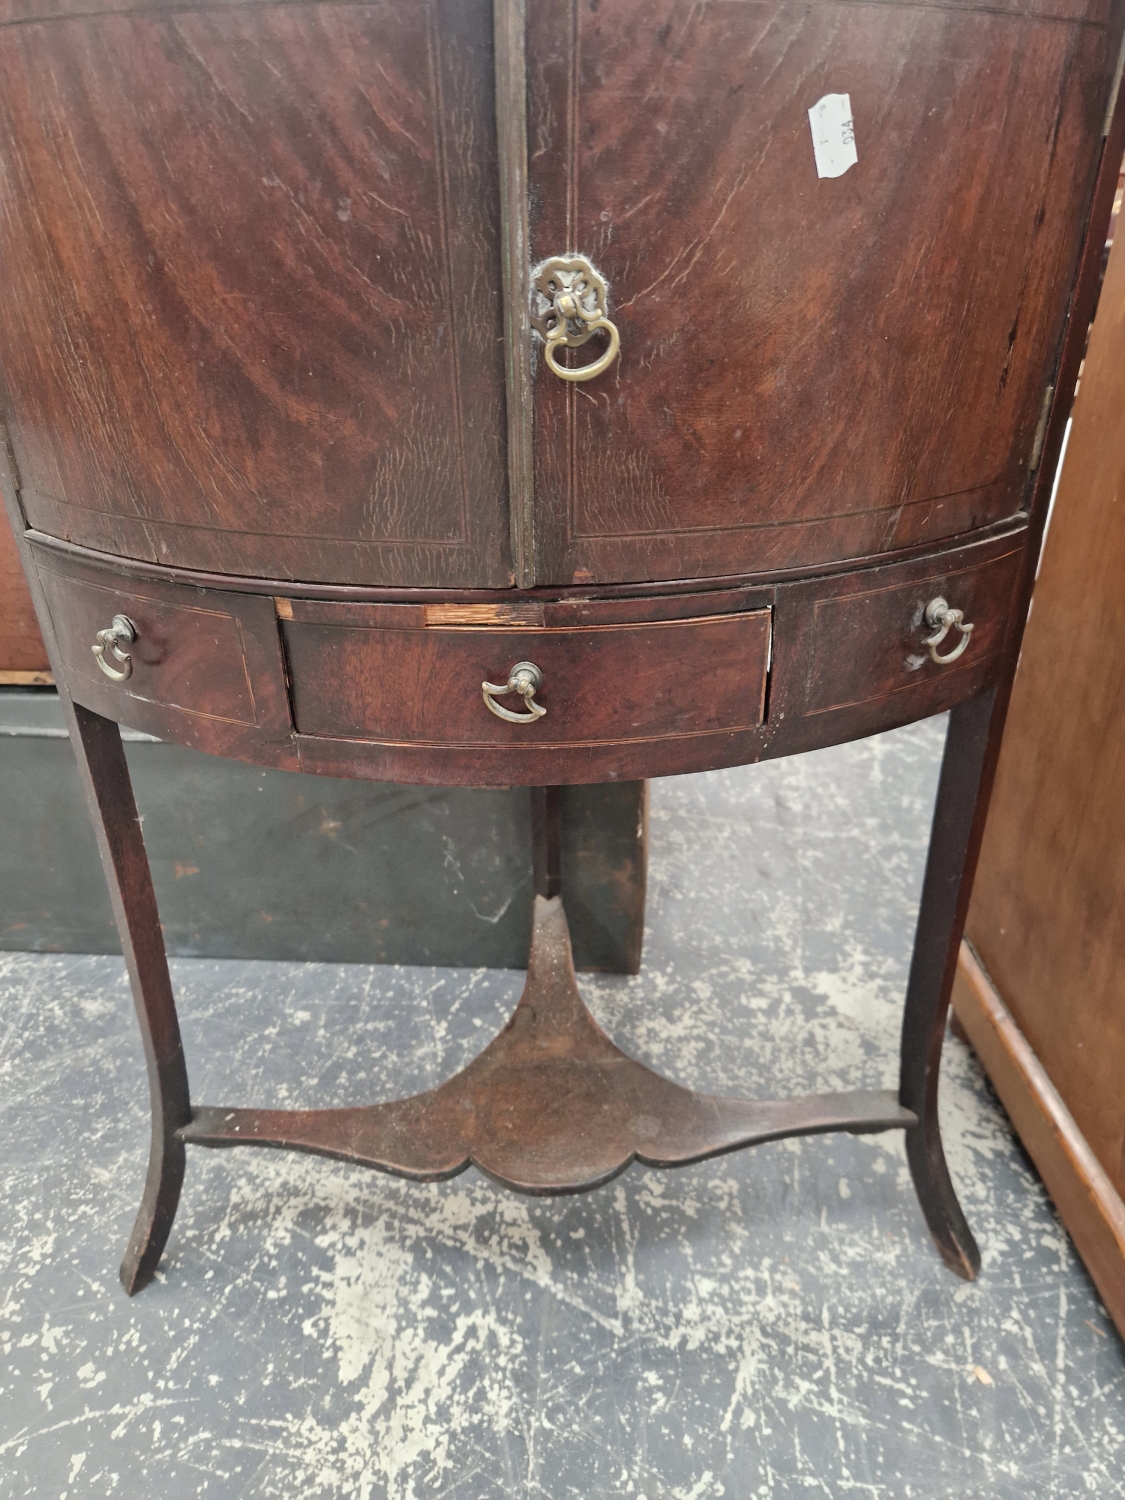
23	656
252	862
1041	990
307	469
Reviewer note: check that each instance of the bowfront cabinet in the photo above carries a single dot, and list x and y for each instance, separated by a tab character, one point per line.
570	391
254	282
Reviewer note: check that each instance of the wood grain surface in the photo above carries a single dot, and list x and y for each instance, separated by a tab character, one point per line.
256	298
252	316
1046	915
871	642
601	683
189	653
809	369
254	322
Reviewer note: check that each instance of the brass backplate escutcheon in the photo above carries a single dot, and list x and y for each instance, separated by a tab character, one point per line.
561	276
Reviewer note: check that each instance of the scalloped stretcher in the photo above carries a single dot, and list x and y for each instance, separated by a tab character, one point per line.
552	1105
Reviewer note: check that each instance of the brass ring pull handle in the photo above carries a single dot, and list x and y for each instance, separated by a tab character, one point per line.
569	305
122	632
939	615
526	679
584	372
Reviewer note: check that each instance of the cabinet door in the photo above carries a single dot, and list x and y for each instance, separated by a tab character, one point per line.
810	368
252	317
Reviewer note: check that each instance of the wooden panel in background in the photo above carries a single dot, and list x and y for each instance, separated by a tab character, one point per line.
1097	11
1090	1206
23	656
1048	910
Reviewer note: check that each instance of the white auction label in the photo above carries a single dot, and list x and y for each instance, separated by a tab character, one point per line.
833	135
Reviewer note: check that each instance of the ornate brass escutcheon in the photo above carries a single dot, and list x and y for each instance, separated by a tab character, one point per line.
568	305
942	619
121	632
526	679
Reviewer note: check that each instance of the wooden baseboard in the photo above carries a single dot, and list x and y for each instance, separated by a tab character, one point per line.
26	679
1086	1199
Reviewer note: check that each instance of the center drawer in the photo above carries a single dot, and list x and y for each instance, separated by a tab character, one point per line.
394	678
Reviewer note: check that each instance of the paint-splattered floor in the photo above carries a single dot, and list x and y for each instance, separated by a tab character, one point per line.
769	1324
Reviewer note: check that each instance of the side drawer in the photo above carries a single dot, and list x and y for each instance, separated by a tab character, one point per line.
205	667
870	644
601	684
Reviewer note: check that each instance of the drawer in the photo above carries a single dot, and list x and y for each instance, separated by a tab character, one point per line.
601	684
186	655
869	644
205	667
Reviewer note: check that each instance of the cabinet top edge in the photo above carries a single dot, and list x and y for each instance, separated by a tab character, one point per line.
16	13
1014	528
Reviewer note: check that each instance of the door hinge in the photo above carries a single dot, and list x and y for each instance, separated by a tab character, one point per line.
1114	91
1041	430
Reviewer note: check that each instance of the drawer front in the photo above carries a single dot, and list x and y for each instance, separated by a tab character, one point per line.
600	684
205	668
185	655
869	644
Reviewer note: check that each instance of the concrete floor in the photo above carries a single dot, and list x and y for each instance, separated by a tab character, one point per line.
769	1324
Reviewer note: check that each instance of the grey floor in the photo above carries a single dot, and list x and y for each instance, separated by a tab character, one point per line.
770	1324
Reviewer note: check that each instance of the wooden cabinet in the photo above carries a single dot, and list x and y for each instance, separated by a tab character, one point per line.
282	356
1041	990
496	393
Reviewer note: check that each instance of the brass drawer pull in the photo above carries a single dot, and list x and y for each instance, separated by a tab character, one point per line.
526	679
570	305
939	615
122	632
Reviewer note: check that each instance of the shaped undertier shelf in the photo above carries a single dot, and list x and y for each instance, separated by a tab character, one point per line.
552	1105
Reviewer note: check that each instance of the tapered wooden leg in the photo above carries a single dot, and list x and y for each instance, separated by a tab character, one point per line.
105	775
954	844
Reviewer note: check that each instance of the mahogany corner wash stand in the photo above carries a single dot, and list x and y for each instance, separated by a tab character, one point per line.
439	391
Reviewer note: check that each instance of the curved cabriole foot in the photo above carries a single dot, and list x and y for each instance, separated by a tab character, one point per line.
958	820
154	1217
936	1194
551	1106
102	766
